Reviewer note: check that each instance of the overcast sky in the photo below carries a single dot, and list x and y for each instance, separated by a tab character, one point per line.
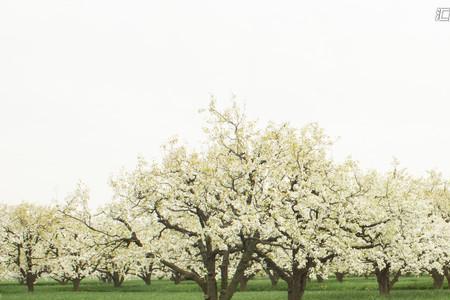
86	86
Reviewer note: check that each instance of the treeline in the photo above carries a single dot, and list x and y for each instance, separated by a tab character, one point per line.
253	201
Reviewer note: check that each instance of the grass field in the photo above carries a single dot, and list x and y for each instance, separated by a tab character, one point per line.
408	288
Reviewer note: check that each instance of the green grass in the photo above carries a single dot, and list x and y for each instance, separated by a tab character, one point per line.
408	288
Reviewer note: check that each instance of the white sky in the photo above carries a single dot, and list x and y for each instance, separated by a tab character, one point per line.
86	86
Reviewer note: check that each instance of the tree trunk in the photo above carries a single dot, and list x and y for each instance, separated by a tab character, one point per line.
224	274
273	279
147	279
438	279
243	283
319	278
76	284
447	275
211	283
117	279
340	276
30	279
176	277
242	265
273	276
30	285
383	281
297	284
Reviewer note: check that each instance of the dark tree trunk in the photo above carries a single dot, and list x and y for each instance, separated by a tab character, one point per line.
211	283
76	284
224	274
447	275
30	279
30	286
340	276
117	279
243	265
147	279
208	283
273	278
438	279
297	284
383	281
296	279
176	277
106	278
243	283
385	284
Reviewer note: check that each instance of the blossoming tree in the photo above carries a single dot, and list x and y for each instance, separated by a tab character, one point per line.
393	223
26	235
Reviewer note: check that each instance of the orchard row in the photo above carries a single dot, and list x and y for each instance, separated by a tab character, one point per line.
251	201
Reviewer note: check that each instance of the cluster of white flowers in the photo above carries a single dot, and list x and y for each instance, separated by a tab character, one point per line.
252	202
